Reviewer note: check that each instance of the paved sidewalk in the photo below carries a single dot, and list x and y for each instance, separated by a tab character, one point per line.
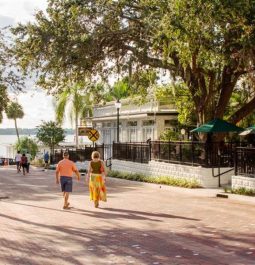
140	224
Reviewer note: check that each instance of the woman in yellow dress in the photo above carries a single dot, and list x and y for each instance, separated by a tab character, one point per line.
96	176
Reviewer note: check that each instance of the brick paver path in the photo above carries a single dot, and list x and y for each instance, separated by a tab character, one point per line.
140	224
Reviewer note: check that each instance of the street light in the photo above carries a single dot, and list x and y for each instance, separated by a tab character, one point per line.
118	106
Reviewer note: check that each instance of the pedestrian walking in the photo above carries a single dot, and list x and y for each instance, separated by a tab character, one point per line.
29	157
46	160
97	177
23	163
17	160
64	175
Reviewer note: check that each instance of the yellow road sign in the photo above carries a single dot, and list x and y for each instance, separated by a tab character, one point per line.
93	135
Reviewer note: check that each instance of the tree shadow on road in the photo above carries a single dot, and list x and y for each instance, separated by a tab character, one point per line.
40	185
111	213
50	244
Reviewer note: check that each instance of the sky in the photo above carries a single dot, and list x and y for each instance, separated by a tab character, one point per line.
36	104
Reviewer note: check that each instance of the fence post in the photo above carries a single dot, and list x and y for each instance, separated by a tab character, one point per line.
169	151
149	150
235	161
141	152
159	150
192	152
180	151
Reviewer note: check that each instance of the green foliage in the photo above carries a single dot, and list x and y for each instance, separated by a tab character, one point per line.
241	191
78	103
50	134
178	94
170	135
76	99
27	144
9	79
180	182
38	163
118	91
3	100
14	111
208	45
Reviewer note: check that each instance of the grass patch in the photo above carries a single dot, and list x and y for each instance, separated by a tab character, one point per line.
179	182
240	191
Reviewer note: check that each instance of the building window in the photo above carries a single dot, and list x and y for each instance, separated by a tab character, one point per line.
148	133
148	123
132	131
131	123
132	134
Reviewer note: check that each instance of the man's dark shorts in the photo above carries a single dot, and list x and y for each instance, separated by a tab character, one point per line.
66	184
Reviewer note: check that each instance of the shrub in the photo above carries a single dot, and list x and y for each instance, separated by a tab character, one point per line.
171	181
241	191
37	162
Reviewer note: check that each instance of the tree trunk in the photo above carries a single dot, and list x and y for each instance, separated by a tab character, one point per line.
16	128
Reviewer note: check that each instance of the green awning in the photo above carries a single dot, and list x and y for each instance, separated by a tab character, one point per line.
217	126
249	130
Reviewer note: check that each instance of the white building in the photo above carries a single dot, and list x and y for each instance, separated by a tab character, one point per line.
137	123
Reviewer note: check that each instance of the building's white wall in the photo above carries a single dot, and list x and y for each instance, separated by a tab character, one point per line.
131	112
243	182
155	168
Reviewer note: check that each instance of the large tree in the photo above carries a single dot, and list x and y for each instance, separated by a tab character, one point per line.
14	111
207	44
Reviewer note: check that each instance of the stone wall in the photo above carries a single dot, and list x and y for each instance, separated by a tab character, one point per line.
154	168
243	182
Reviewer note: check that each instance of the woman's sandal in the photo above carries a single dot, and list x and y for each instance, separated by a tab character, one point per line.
66	206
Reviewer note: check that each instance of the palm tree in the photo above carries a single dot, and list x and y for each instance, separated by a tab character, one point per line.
14	111
77	103
119	90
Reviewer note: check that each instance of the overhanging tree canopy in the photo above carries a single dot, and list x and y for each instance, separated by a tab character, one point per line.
207	44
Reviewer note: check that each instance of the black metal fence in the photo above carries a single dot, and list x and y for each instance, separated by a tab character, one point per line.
245	161
190	153
78	154
136	152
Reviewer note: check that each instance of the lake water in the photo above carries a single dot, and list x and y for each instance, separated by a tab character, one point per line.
11	139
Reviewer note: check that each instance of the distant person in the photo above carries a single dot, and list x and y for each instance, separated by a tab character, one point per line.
17	161
23	163
29	157
46	158
64	174
97	177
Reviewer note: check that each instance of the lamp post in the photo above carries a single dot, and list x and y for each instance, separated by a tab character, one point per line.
118	106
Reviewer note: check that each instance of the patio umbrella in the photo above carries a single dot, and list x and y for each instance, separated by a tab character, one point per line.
217	126
247	131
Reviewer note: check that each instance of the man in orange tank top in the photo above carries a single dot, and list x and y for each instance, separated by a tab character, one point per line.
64	173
